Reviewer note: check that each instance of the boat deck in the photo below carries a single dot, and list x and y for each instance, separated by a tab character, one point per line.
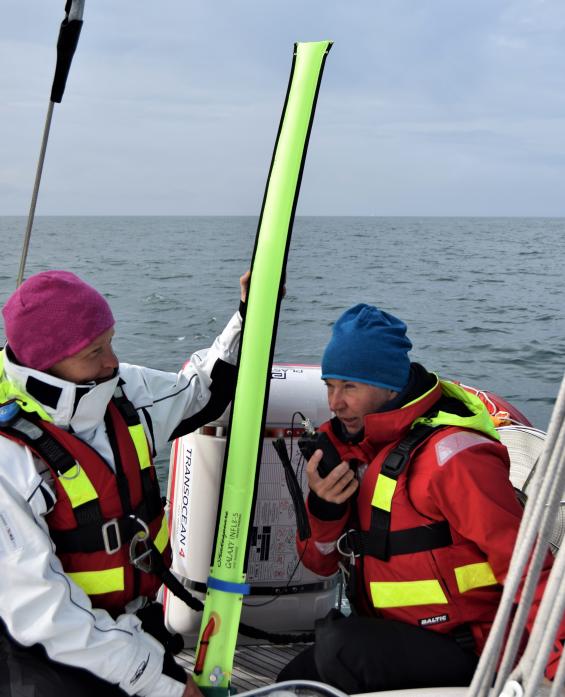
254	665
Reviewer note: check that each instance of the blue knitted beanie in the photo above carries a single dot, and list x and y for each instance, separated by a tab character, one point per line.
368	345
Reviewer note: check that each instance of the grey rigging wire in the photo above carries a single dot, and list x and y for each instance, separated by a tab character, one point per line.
541	508
66	45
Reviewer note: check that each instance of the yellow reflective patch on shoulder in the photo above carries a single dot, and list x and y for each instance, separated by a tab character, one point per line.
407	593
384	491
98	582
141	446
474	576
77	486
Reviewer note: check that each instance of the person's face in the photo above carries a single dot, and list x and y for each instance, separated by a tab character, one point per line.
352	401
96	362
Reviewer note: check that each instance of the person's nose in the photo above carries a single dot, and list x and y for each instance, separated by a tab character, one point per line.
110	359
335	400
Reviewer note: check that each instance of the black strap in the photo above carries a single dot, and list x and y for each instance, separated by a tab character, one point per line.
464	637
178	589
397	459
149	483
88	537
160	568
125	407
394	465
29	429
408	541
201	587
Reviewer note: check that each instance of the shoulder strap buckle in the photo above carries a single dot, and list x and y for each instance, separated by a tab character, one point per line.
395	462
140	548
347	545
111	536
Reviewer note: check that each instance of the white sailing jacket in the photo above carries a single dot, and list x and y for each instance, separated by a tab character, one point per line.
39	603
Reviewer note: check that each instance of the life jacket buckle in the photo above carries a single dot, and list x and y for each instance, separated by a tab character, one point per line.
63	475
140	547
112	529
346	546
395	462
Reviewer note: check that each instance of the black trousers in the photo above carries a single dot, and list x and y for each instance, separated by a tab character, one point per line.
28	672
365	654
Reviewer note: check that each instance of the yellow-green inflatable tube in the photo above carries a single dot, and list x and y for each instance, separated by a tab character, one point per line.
226	585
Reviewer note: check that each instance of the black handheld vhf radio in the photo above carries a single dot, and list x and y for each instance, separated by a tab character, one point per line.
311	440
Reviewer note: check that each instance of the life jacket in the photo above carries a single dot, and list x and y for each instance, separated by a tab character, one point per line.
409	567
99	512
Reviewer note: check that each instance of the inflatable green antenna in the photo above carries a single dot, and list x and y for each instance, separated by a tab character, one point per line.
226	584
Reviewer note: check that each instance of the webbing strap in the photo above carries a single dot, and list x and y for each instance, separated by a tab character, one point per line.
29	429
408	541
90	536
394	465
289	589
125	407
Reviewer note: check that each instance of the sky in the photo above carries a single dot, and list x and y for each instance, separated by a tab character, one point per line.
427	107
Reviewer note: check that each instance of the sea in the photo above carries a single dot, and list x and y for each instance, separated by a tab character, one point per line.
483	298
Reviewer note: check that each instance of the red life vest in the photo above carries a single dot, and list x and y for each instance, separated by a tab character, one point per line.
98	511
444	584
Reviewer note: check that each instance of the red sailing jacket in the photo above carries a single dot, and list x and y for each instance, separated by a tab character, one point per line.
457	475
97	510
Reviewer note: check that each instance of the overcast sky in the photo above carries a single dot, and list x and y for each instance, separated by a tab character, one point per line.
427	107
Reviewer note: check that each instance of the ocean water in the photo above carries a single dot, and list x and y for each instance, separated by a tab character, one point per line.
483	298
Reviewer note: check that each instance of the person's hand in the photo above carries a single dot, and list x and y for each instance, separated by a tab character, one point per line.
244	285
337	487
191	689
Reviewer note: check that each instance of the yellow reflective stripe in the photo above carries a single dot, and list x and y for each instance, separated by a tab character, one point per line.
140	441
475	576
162	536
96	582
78	486
408	593
384	491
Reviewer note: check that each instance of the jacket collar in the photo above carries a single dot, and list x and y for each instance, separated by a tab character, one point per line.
388	426
70	406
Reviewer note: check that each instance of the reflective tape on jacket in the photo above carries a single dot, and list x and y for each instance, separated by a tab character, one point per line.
407	593
77	486
387	594
475	576
99	582
141	446
384	491
162	537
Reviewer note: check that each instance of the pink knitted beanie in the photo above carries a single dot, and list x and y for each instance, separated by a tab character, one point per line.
53	315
